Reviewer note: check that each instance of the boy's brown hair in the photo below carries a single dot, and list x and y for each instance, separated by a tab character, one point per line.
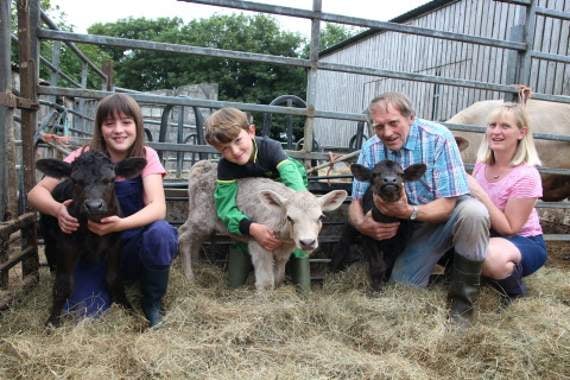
224	125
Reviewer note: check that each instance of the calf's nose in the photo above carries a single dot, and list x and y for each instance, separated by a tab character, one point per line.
390	179
308	244
94	204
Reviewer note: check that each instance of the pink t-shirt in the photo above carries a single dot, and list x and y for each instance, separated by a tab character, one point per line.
522	181
153	165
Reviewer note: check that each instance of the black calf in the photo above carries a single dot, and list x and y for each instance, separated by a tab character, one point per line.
386	181
89	181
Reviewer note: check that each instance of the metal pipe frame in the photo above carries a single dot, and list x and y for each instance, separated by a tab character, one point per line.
128	43
45	18
52	67
561	15
373	24
265	58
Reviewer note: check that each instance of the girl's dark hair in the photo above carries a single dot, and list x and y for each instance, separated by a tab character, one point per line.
112	106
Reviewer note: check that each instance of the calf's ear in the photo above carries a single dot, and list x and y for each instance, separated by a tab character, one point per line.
54	168
361	173
332	200
414	172
130	167
271	199
462	143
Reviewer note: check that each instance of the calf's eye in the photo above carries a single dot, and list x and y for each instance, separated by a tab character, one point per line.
290	220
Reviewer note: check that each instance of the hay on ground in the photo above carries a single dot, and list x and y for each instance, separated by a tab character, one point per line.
337	332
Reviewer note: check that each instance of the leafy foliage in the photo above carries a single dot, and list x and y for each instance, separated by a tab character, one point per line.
249	82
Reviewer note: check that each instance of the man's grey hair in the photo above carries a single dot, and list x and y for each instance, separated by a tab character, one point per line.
397	100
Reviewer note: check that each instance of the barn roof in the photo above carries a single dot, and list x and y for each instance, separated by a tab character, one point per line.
414	13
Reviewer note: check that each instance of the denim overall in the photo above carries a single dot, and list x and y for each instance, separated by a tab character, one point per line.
152	247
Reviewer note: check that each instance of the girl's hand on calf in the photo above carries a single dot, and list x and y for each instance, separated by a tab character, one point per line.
106	226
66	222
264	236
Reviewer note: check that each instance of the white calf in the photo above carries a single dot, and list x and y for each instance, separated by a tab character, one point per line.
295	216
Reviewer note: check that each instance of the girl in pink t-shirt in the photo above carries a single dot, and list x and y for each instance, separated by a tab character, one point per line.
149	242
507	182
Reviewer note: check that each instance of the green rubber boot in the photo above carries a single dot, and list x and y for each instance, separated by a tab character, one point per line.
464	289
301	271
154	286
239	265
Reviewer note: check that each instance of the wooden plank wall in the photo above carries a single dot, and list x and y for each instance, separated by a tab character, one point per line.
397	51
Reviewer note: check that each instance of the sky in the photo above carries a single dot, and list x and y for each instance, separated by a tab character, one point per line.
83	13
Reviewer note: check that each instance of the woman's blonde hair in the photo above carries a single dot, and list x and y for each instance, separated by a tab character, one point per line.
224	125
526	150
112	106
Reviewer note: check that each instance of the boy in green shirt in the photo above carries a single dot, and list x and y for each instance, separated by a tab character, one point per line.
244	155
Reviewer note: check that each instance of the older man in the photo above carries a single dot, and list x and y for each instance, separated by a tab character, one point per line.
446	215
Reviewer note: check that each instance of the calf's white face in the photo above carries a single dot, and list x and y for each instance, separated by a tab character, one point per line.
303	214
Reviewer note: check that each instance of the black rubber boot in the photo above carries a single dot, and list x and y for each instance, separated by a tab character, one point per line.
154	285
512	287
239	265
464	289
301	271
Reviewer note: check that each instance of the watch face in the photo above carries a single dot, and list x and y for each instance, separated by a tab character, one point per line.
414	213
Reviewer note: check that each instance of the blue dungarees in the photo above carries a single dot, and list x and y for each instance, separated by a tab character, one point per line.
153	246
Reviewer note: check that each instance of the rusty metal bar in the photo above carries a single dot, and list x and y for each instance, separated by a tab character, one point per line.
8	99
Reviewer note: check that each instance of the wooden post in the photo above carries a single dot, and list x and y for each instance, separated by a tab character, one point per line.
6	112
28	21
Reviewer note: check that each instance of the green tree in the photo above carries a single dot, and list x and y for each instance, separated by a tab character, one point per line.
70	64
242	81
332	34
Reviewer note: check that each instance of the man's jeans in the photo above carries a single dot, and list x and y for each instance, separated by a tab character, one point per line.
467	230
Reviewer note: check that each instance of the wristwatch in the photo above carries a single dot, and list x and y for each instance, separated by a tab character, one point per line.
414	214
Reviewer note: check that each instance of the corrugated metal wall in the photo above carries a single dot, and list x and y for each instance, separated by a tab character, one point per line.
404	52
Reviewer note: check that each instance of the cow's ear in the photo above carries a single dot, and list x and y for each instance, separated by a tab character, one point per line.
361	173
462	143
54	168
271	199
414	172
332	200
130	167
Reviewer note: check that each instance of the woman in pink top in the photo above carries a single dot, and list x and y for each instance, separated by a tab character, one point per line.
506	180
149	242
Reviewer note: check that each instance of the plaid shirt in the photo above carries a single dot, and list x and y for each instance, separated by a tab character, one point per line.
429	143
